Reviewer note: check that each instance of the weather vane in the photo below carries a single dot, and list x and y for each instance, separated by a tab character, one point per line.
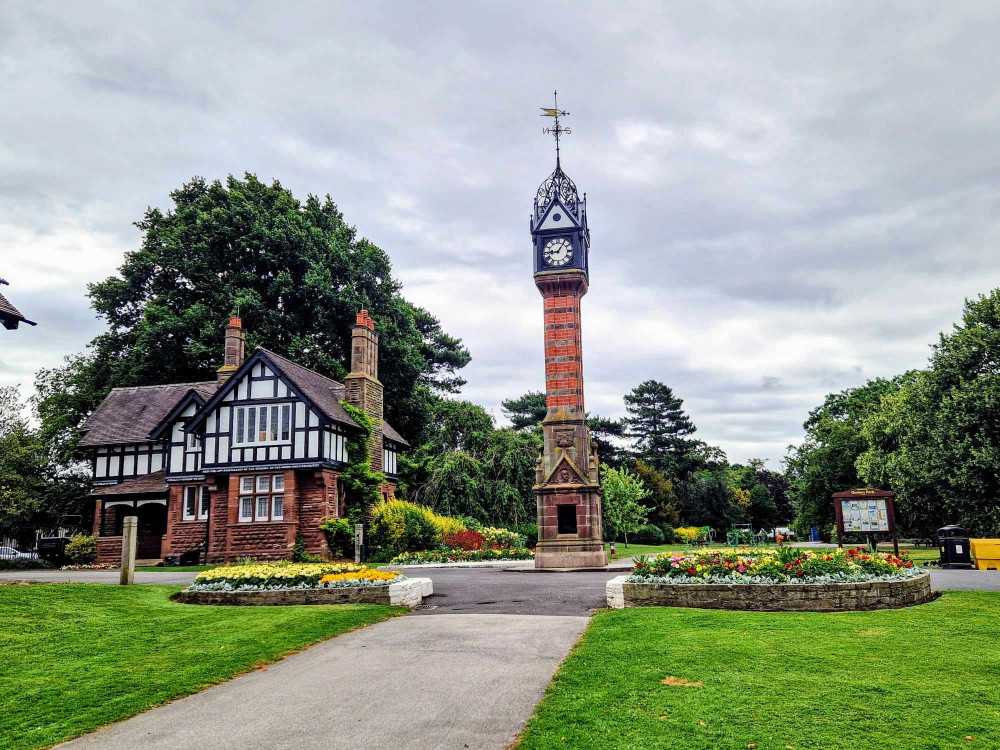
556	130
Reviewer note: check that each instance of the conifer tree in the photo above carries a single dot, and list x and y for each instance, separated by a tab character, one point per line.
659	428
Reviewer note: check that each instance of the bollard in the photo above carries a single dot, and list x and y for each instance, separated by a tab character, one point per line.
359	540
129	528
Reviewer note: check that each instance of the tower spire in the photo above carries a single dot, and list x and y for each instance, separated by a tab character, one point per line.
556	130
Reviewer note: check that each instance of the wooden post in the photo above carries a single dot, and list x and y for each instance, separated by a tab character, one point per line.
129	528
359	541
839	513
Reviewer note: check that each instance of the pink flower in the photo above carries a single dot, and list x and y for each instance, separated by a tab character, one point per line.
741	569
674	565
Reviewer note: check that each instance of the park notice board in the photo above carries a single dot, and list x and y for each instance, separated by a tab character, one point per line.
865	511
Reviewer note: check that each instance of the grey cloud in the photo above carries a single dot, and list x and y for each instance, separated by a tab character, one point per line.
795	192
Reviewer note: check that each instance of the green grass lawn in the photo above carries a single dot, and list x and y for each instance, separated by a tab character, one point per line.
177	569
74	657
921	677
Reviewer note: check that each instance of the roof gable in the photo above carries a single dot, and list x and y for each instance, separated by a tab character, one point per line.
320	392
165	423
131	415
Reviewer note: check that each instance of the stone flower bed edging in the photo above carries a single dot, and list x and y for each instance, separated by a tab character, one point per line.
777	597
406	593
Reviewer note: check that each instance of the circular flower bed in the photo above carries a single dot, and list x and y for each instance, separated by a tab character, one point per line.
292	576
783	565
462	555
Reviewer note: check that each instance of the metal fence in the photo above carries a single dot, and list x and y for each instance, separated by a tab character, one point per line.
20	545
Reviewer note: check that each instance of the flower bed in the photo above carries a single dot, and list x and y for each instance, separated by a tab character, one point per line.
782	580
784	565
292	576
463	555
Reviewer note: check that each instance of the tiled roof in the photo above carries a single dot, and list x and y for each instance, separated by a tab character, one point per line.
10	316
147	485
325	392
390	432
129	415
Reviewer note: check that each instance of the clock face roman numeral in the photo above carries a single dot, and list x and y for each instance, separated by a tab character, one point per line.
558	252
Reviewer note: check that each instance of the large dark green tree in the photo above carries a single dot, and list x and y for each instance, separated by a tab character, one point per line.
525	412
465	466
659	427
824	462
935	441
296	272
34	489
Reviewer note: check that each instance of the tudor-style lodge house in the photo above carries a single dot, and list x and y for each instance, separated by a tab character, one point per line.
239	466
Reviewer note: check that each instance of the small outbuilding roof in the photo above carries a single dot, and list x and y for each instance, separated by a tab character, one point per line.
129	415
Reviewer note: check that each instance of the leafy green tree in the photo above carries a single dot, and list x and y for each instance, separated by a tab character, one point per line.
935	441
623	511
661	500
709	500
659	428
297	273
824	462
465	466
777	486
525	412
22	465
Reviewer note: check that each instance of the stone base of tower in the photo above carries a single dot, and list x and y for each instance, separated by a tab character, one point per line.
571	554
569	524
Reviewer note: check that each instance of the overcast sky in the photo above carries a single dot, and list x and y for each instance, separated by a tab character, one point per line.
784	200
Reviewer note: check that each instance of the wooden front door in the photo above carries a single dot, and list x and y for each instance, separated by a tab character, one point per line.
151	528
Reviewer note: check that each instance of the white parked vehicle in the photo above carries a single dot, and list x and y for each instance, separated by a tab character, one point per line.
9	553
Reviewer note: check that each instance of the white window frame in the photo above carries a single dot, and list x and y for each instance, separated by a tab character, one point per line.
190	494
274	424
199	493
204	502
258	489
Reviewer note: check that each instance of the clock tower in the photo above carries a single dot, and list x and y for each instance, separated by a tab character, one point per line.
567	485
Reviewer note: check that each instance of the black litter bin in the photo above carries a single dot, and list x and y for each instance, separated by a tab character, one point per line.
953	542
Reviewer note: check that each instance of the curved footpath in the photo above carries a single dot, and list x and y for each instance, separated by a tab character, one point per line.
465	669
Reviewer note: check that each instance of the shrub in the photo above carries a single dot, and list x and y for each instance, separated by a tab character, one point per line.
398	526
669	535
530	533
462	555
23	564
470	522
690	534
500	538
300	554
648	534
81	549
467	539
449	525
339	536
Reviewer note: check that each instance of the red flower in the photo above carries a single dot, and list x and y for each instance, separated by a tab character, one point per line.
799	572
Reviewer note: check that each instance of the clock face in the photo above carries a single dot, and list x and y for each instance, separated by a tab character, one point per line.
558	252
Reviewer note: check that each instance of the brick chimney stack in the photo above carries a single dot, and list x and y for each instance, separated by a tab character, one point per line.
362	386
235	349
